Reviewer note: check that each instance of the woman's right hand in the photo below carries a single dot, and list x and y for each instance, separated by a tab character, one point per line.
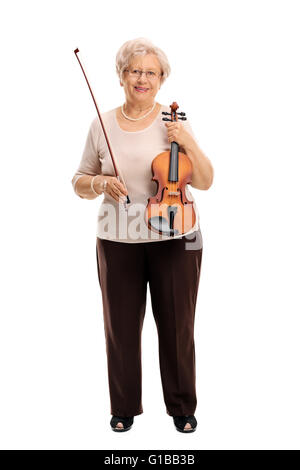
114	187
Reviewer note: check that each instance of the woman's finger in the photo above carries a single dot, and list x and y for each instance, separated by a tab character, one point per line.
120	187
172	136
118	192
115	194
173	125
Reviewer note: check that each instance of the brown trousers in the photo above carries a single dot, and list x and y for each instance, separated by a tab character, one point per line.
172	268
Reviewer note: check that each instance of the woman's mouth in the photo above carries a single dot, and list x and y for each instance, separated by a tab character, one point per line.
140	89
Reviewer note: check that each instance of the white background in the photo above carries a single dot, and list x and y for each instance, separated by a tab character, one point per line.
235	72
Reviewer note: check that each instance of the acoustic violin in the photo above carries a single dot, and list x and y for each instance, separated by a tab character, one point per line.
169	212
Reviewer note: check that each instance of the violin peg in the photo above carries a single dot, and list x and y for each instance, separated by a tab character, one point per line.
166	119
166	113
182	118
181	114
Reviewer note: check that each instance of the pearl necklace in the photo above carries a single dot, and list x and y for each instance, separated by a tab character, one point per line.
137	119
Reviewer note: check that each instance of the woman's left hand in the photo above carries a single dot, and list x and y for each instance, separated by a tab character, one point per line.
177	133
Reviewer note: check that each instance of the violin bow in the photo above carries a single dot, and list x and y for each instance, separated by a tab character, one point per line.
102	125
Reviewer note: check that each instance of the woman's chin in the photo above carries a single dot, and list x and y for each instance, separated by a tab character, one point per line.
143	97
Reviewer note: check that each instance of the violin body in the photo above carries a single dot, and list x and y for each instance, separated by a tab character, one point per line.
169	212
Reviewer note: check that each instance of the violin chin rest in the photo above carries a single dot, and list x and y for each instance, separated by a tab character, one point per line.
160	224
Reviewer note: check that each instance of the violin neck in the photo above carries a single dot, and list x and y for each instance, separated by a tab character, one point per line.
173	168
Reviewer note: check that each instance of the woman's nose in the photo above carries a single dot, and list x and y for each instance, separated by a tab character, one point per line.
143	77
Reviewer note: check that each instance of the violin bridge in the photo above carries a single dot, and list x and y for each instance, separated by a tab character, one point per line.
173	193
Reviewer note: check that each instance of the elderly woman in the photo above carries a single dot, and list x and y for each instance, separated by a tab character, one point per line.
129	254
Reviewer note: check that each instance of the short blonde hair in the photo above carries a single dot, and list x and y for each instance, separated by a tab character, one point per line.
141	46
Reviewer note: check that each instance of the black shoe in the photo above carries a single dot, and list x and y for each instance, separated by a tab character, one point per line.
127	423
180	422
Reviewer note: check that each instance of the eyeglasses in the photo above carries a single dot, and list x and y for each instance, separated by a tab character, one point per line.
150	74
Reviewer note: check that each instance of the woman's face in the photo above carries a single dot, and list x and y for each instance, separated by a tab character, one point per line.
149	86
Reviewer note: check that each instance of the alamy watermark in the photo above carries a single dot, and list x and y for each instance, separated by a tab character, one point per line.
118	223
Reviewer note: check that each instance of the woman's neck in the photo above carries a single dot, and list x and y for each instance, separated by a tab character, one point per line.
135	110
